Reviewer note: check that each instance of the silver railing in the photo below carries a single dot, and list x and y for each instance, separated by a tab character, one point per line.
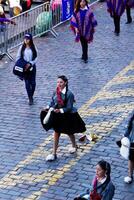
37	21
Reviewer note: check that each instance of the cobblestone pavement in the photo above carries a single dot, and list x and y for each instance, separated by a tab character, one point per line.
104	91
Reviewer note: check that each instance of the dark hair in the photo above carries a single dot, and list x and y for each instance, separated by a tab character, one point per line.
64	78
77	5
106	167
32	46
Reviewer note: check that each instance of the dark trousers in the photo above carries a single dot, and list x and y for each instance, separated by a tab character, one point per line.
30	83
84	45
116	23
128	12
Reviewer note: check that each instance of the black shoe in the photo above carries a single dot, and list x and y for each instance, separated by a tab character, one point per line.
82	57
31	101
117	33
85	61
129	21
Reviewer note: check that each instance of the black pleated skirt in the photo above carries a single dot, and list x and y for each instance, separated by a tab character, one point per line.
68	123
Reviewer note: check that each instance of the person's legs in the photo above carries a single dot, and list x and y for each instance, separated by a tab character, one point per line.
84	45
30	84
129	179
128	12
56	142
84	48
81	40
72	138
33	81
117	24
130	168
28	87
73	149
53	156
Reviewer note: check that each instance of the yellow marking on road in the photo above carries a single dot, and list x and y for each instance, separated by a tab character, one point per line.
116	94
52	176
127	107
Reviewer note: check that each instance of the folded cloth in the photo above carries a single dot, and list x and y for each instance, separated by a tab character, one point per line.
45	121
125	147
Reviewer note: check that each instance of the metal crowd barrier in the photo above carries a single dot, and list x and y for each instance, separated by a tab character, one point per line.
37	21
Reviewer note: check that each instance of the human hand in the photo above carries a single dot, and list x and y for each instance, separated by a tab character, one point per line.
76	31
12	22
27	66
57	110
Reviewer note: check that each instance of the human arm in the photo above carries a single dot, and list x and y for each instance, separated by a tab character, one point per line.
18	56
69	103
74	24
7	20
33	62
109	192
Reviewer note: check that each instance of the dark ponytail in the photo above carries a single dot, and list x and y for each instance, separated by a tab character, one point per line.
106	167
64	78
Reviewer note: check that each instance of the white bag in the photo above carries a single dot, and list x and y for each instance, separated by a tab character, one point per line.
45	120
125	146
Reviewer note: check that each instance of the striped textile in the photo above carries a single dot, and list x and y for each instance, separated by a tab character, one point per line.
87	28
116	7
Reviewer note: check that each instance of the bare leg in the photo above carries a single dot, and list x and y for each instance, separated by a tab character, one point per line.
72	138
130	168
56	142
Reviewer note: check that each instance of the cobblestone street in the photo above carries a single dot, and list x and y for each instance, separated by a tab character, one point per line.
104	93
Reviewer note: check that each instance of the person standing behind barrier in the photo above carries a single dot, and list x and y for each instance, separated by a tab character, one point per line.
64	117
116	8
83	24
130	134
102	187
26	5
13	5
129	5
3	19
29	53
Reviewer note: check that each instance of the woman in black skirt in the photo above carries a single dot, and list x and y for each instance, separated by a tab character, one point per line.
130	134
64	118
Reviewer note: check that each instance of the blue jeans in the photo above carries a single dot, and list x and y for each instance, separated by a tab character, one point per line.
30	83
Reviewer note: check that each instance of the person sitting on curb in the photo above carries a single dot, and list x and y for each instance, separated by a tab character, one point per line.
102	187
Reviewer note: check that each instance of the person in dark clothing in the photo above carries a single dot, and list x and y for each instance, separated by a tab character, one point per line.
130	134
102	187
116	8
129	5
25	4
4	19
83	25
64	117
29	53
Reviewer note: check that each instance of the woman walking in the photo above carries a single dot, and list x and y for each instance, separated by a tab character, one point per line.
28	52
116	8
64	118
129	5
83	24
